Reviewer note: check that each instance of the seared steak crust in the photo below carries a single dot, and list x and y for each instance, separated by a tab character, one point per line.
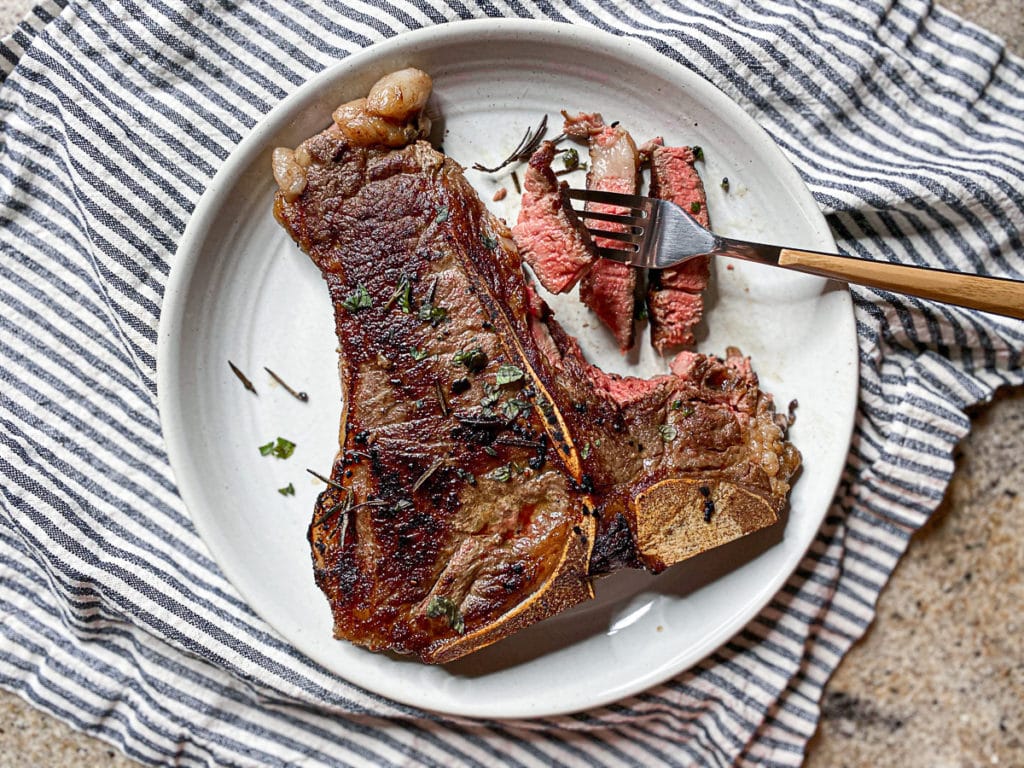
485	469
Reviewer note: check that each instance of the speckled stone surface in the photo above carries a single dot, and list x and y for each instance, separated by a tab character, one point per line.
938	682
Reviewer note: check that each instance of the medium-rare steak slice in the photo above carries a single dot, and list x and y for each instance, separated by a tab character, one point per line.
549	237
674	296
485	470
609	288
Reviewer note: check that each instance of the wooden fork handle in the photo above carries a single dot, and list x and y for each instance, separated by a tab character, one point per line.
989	294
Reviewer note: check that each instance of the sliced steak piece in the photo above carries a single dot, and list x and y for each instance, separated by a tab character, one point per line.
674	296
609	288
548	235
484	471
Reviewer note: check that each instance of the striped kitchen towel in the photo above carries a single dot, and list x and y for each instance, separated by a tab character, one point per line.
908	126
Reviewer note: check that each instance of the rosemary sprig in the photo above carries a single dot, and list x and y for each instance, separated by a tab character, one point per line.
527	146
243	378
327	480
426	474
342	505
297	395
518	442
442	400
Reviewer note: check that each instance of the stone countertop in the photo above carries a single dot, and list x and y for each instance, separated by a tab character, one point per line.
938	679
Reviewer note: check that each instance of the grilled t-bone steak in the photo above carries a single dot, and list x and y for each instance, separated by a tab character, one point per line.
486	471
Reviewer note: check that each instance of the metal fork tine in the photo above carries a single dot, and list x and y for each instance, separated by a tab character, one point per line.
617	254
620	237
636	202
615	218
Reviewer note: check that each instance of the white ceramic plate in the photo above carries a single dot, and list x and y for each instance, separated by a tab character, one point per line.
241	290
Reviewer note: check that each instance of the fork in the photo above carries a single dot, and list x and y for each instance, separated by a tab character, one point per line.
659	234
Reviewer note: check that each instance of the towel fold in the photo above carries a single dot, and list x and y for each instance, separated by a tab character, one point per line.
906	123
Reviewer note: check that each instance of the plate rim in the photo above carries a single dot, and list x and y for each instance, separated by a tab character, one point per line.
247	151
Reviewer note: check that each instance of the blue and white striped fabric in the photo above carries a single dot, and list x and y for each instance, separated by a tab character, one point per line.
908	126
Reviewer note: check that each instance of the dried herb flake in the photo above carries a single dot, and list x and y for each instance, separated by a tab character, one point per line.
288	490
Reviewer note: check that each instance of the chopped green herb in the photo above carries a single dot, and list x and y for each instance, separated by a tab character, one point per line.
502	474
469	477
698	152
442	214
475	360
571	159
490	451
640	310
491	395
725	184
358	299
585	452
508	374
445	607
418	354
489	242
433	315
510	409
695	206
678	405
402	295
668	433
405	299
282	449
288	490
